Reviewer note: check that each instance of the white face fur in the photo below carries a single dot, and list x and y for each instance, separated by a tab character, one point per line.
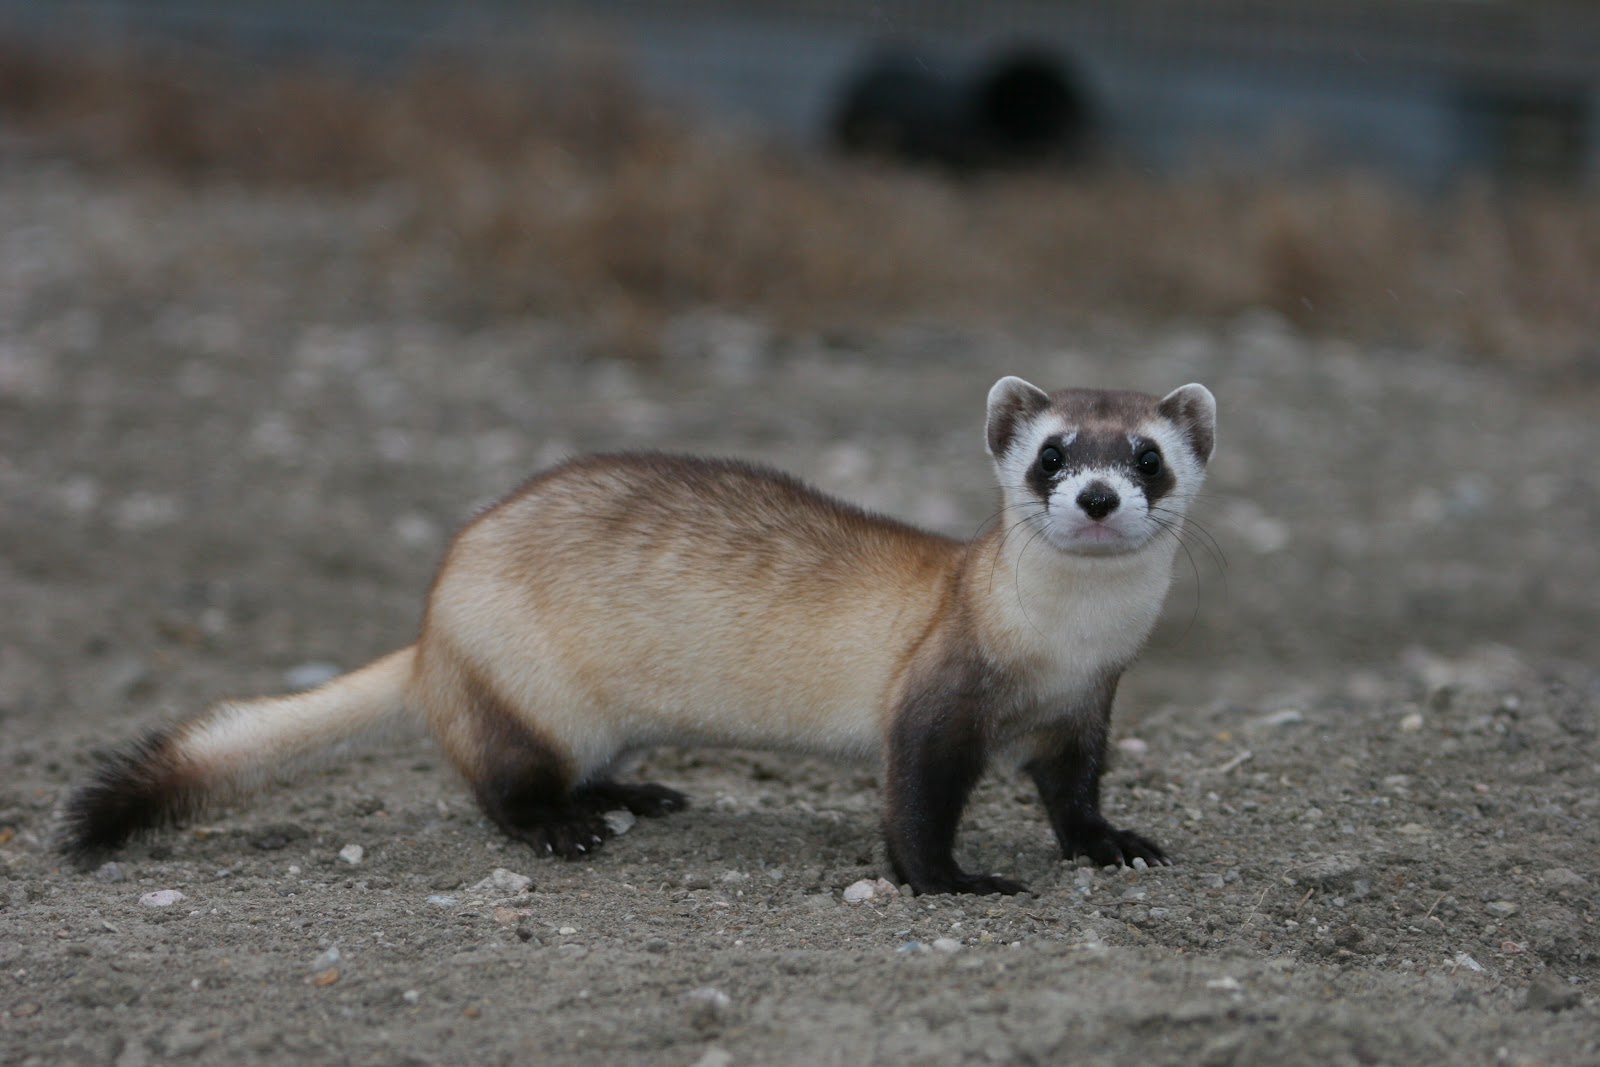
1099	472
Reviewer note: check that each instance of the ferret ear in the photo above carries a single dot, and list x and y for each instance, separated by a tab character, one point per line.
1012	402
1193	410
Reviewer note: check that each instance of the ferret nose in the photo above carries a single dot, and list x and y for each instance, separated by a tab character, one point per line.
1098	500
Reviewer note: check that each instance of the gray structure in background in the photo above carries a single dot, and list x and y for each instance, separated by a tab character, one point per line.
1424	89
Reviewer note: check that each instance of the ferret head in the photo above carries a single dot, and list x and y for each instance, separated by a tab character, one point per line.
1099	472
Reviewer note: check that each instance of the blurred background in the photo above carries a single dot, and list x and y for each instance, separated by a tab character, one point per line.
286	289
1417	170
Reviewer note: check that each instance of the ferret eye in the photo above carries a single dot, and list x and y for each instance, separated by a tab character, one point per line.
1051	459
1150	463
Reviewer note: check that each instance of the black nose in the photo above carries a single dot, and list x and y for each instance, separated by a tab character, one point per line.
1098	500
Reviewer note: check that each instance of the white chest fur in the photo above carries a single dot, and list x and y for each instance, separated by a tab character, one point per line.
1066	624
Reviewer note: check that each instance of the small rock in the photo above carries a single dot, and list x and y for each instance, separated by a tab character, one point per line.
1501	909
310	675
946	944
442	900
1464	960
161	898
328	959
707	1007
111	872
1560	877
1349	937
1337	870
1411	723
1549	993
352	854
503	881
272	838
868	890
1139	864
620	821
324	978
567	931
714	1057
1133	747
1284	717
1227	984
411	996
912	948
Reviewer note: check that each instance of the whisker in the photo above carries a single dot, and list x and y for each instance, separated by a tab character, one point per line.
1176	531
1000	542
1016	579
1209	542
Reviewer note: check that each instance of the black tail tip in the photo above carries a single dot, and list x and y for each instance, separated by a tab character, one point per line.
134	791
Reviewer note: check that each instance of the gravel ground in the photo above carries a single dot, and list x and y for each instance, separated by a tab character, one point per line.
229	462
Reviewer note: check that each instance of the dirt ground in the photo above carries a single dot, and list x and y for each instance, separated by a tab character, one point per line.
1366	728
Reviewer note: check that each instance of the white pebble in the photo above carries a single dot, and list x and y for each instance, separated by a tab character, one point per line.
869	889
1135	747
946	944
567	931
1560	877
707	1006
352	854
620	821
330	958
111	872
1139	864
442	900
416	530
501	880
1411	723
161	898
411	996
310	675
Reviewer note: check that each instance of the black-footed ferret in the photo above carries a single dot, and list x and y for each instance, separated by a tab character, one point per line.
624	601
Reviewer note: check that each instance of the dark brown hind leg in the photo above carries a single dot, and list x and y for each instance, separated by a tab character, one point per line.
533	806
523	780
527	783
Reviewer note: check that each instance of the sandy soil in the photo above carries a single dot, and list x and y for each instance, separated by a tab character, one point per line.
226	461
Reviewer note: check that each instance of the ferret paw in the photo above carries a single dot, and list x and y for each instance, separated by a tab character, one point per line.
645	799
1106	846
570	836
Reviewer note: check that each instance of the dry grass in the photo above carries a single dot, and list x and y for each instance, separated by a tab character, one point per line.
570	196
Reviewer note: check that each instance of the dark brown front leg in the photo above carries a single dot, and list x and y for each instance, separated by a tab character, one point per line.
936	753
1068	761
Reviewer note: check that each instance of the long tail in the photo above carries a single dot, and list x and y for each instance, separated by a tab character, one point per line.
229	750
